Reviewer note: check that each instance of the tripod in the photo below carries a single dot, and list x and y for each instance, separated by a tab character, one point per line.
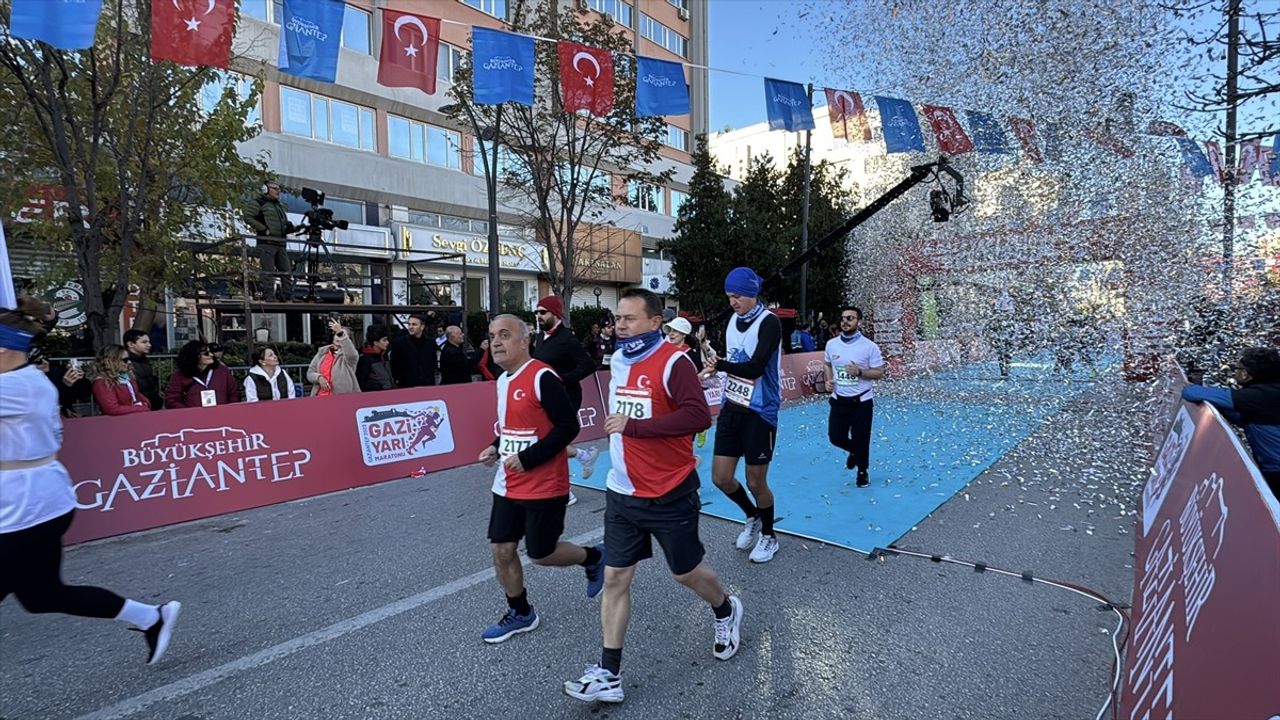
311	255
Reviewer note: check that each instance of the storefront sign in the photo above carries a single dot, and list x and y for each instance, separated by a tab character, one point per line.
512	254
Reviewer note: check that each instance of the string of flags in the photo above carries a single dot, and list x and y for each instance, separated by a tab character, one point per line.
199	33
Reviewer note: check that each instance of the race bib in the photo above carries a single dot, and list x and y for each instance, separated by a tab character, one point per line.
608	359
843	376
635	403
208	398
512	441
738	390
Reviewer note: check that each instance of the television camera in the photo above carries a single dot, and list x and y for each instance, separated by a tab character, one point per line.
318	218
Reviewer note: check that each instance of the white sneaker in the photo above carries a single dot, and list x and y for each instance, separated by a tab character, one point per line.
572	499
749	534
588	457
597	684
765	549
727	631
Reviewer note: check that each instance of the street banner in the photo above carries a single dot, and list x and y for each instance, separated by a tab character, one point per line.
1204	639
660	88
901	128
988	133
586	78
848	116
310	37
410	51
501	67
787	105
193	32
64	24
952	139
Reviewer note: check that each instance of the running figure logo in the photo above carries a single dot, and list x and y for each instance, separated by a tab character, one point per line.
392	433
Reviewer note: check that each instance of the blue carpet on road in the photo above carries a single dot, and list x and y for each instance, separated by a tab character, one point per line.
930	437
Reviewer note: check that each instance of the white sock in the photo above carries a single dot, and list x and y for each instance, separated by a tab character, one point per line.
139	615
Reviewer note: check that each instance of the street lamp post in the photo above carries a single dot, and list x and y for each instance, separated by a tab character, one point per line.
597	292
489	155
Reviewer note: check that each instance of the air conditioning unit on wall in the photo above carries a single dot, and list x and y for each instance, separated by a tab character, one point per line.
684	14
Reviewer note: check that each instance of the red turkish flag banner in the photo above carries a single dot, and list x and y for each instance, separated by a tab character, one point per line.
1025	131
193	32
586	78
848	116
952	138
410	51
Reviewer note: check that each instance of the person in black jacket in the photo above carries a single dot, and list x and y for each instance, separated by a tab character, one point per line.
413	355
373	372
557	347
138	344
270	222
456	364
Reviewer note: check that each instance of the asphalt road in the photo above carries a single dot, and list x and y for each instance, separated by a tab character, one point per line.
370	603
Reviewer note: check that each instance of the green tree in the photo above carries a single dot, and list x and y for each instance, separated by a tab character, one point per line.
761	226
828	207
142	163
703	237
559	169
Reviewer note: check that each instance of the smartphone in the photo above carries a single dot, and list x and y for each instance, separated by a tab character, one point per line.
75	363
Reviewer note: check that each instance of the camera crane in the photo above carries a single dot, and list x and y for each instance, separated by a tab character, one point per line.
942	204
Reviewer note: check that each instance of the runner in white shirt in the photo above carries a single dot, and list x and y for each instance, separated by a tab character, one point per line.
37	501
852	362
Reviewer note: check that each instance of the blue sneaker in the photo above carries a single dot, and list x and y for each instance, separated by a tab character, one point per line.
511	624
595	575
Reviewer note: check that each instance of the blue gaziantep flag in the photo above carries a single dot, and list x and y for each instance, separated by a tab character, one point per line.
1194	157
900	124
987	132
64	24
501	67
660	88
310	36
788	105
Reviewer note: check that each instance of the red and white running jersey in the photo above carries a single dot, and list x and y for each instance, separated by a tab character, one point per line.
522	421
647	467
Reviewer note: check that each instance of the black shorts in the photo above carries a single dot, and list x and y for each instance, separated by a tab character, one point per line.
539	522
631	523
745	435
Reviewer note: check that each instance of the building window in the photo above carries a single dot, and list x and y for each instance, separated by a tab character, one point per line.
645	197
682	4
355	30
616	9
677	138
677	199
254	9
429	144
322	118
513	295
450	60
212	91
663	35
496	8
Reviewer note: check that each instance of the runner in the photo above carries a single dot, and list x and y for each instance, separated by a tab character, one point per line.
656	406
748	423
536	422
557	347
37	501
852	362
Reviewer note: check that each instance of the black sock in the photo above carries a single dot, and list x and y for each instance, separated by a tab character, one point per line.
766	520
520	603
611	660
724	610
739	496
593	557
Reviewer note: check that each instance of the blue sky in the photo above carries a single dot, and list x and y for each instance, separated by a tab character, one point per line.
762	37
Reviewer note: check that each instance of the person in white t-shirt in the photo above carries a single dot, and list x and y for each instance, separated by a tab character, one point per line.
851	363
37	500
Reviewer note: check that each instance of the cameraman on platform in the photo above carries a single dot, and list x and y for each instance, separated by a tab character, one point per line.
270	222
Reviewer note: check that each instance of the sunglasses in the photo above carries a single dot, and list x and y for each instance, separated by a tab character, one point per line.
206	352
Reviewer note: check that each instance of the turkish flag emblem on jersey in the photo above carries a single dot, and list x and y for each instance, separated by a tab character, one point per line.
586	78
410	51
193	32
952	138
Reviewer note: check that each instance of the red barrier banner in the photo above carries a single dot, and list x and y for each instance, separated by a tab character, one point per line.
1205	637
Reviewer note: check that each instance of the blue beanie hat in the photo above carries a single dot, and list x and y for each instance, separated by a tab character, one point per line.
743	281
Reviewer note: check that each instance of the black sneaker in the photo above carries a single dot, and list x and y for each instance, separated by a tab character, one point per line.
863	479
158	635
849	462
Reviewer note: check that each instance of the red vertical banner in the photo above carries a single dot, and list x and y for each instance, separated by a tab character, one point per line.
410	51
1025	131
848	116
586	78
193	32
952	138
